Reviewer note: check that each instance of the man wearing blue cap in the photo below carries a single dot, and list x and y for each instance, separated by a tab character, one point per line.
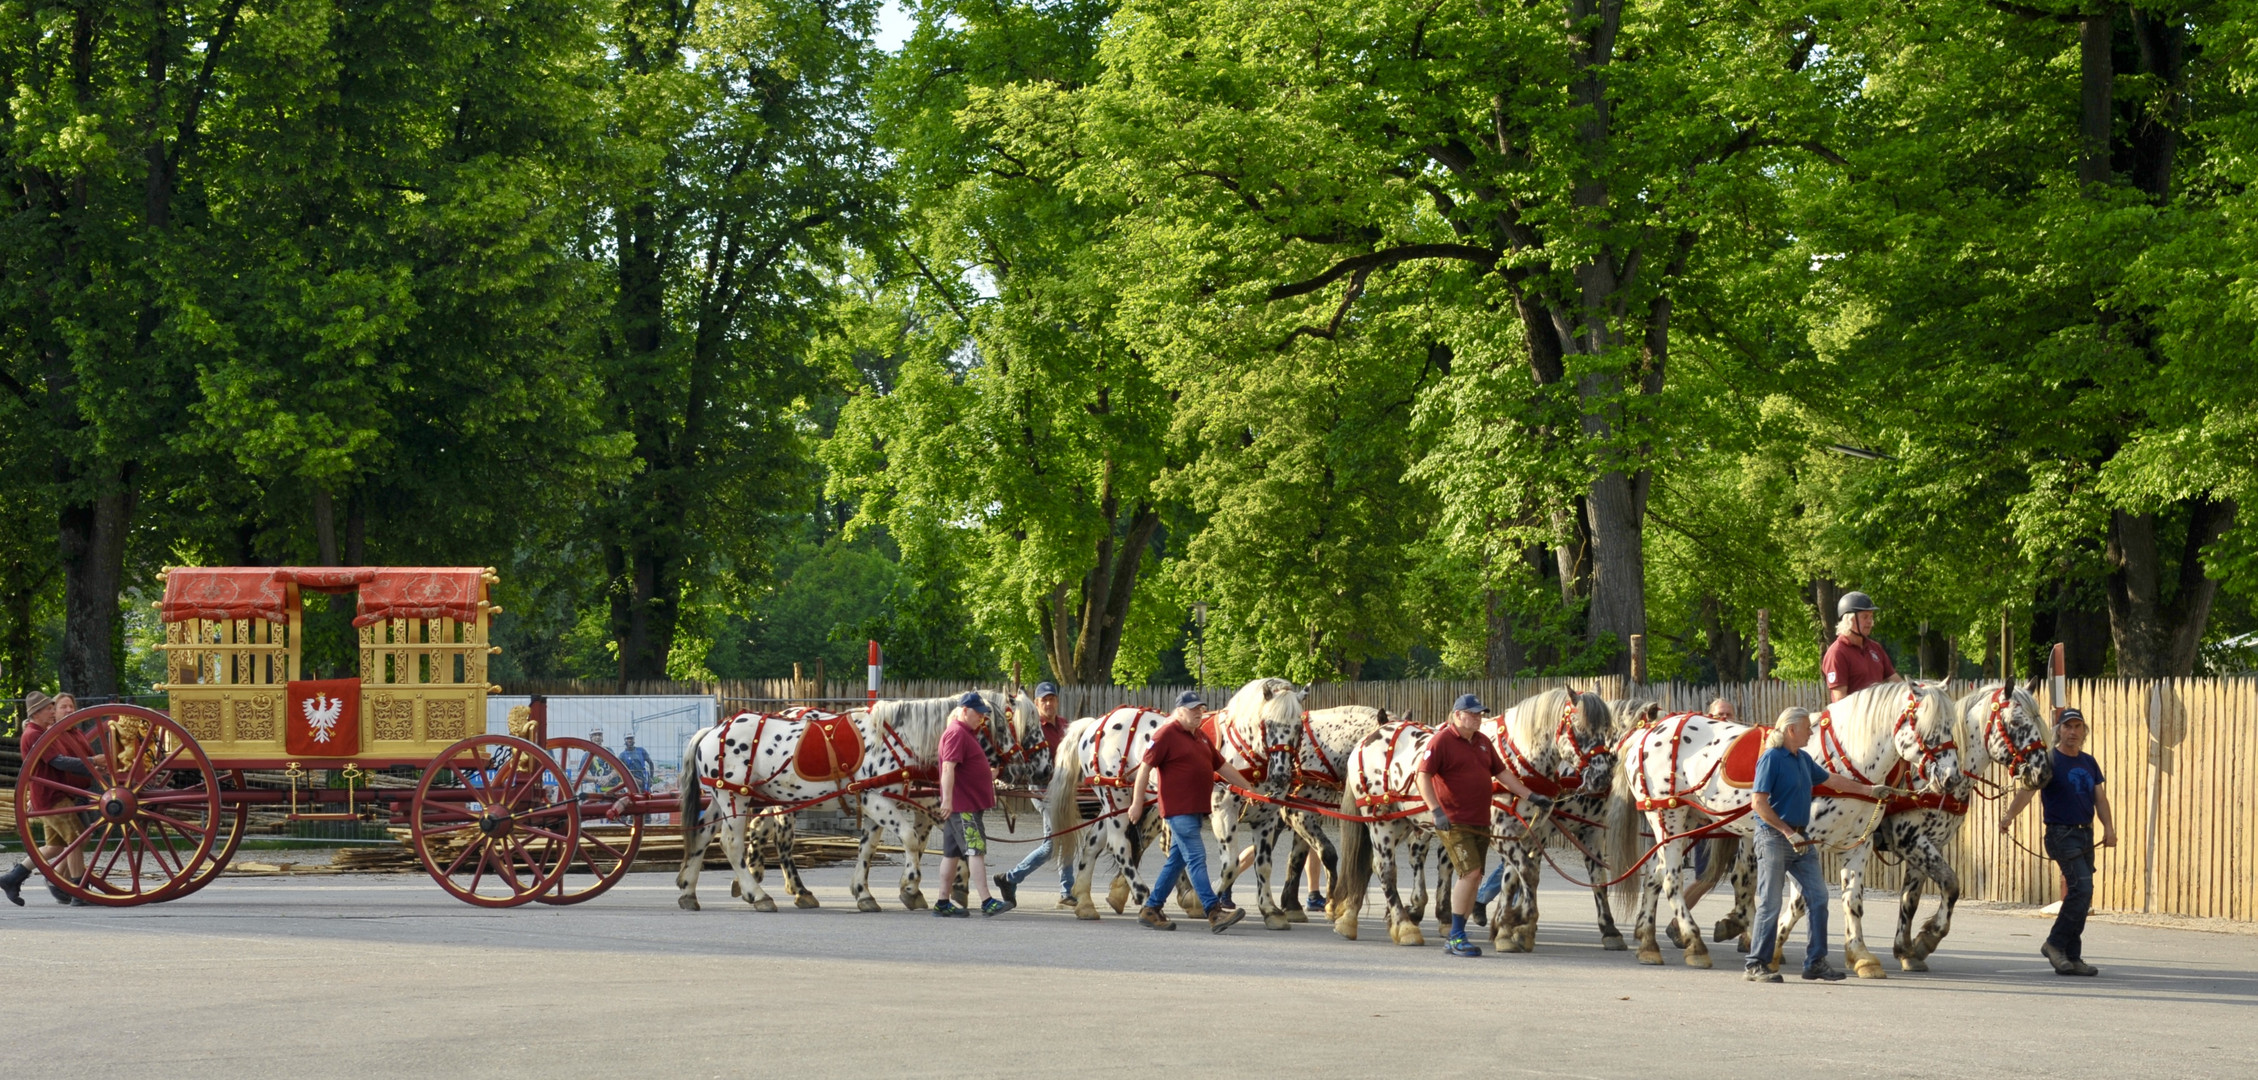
1455	778
1054	732
968	789
1187	765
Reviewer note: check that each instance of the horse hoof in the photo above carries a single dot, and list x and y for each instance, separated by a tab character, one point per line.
1869	968
686	903
914	901
867	903
1345	926
1117	897
1277	920
1295	914
1927	943
1912	963
1677	940
1512	943
1650	956
764	904
737	888
1727	927
1411	935
1612	943
1743	943
806	900
1192	909
1699	960
1528	938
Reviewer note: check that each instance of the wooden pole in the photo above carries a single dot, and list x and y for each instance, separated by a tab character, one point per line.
1638	658
797	689
822	688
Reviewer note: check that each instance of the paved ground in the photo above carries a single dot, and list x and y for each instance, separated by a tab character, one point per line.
329	976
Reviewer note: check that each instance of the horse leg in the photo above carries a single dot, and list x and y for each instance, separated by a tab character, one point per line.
1677	872
1297	852
913	857
1403	926
786	836
1506	910
1610	937
1531	871
1854	950
1266	846
1939	870
1642	928
859	885
1417	909
1908	907
693	860
1086	861
1735	922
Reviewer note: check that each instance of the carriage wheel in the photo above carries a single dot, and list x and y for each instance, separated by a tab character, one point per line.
232	822
489	823
603	855
147	812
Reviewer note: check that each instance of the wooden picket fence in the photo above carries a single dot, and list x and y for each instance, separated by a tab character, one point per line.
2181	757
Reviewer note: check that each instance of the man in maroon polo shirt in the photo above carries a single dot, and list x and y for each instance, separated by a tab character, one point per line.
1455	778
1187	765
1855	661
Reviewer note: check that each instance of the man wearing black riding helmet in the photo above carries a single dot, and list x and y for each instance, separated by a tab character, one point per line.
1855	660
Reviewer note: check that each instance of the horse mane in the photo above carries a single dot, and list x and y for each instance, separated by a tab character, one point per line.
918	722
1525	723
1595	720
1624	713
1865	718
1264	702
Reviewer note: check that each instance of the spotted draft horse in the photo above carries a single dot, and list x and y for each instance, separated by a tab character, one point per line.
1689	772
1259	733
1561	745
807	758
1379	798
1102	752
1328	737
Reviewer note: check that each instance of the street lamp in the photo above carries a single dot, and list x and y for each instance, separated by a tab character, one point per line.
1199	636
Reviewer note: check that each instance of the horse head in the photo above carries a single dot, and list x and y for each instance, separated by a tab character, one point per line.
1589	745
1015	744
2008	726
1263	722
1925	737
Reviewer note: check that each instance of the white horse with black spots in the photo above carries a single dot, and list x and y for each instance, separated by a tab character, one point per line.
1560	745
1328	737
749	763
1675	772
1378	802
1259	733
1102	752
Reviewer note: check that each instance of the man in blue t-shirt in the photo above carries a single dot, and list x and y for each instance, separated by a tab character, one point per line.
1785	779
2073	795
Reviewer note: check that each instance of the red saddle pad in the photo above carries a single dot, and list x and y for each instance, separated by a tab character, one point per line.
830	749
1740	758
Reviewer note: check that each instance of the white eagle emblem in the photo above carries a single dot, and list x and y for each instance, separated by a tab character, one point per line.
321	714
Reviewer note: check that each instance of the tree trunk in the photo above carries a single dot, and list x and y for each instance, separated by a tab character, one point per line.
1824	594
2095	88
356	530
1503	655
2157	635
325	526
1728	649
93	536
1618	607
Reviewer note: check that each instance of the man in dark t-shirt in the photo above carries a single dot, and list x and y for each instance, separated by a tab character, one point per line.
1054	730
2073	796
1186	764
1855	661
1455	779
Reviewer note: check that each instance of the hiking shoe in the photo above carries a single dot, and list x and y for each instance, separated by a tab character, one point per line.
1459	946
2080	967
1822	972
1224	918
1066	902
12	883
1152	917
946	908
2063	965
1763	975
1008	888
992	907
60	896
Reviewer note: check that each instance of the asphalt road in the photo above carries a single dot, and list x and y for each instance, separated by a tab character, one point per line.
335	976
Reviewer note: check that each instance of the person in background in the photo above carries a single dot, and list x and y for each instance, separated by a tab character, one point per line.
56	831
1186	764
1054	731
1855	660
2069	802
968	789
1454	779
638	763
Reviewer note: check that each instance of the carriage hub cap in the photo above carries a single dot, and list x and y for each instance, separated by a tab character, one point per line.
118	805
494	825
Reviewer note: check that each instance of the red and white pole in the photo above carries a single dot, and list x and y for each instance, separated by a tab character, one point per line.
875	667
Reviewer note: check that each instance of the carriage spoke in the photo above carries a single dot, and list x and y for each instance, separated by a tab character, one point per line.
469	849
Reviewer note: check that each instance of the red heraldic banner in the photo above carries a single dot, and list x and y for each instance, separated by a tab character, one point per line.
324	718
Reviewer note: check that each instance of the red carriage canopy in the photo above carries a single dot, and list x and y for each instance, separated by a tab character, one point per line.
259	592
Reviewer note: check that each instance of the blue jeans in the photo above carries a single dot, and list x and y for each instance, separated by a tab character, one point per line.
1187	853
1776	861
1036	858
2071	848
1491	885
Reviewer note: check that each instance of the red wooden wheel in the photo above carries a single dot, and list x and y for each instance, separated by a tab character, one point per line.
231	821
146	810
493	820
605	852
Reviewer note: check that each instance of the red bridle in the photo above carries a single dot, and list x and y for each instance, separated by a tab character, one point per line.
2003	699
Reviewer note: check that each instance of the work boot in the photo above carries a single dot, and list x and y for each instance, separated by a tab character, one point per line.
12	882
1007	888
60	896
2063	965
1152	917
1224	918
1066	902
2080	967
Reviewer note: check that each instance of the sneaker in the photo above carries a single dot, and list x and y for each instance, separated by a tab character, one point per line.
2055	956
1316	901
1066	903
1459	946
1762	975
1821	972
1153	918
1224	918
992	907
1008	888
946	908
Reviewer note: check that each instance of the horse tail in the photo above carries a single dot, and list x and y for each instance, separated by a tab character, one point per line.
1621	846
1063	803
691	810
1723	848
1352	863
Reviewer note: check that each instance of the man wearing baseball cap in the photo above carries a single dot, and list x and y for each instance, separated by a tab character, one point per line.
968	789
1855	661
1007	883
1187	765
1454	778
2073	796
65	770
